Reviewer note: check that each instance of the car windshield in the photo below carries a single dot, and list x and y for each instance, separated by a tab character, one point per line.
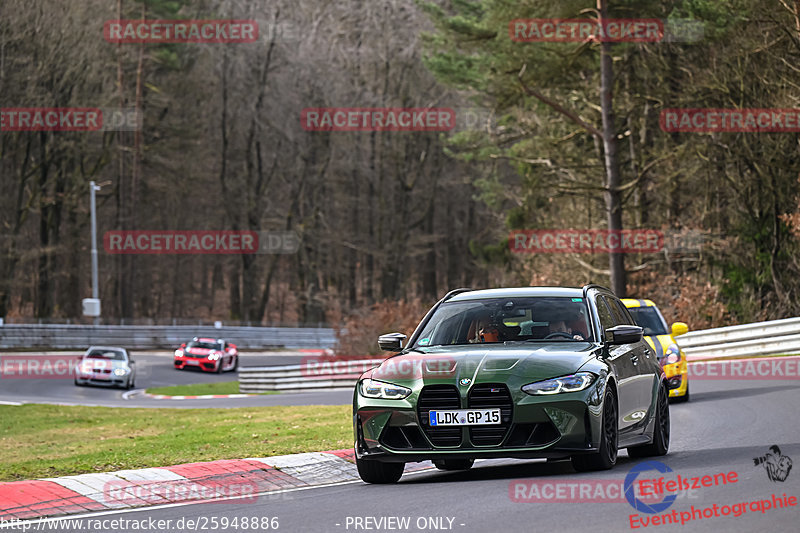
205	345
649	319
116	355
497	320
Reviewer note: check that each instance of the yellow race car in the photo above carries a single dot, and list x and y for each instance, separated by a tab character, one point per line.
671	357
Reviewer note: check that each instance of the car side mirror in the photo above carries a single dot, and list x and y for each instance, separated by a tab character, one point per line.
392	342
679	328
183	345
623	334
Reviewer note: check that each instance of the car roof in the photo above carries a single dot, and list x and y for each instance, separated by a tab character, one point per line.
206	339
634	302
115	348
518	292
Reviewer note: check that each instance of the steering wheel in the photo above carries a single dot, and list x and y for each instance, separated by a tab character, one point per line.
559	333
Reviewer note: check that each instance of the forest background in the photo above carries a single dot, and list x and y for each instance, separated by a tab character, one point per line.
390	221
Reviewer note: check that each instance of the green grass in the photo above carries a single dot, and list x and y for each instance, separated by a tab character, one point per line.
52	440
223	387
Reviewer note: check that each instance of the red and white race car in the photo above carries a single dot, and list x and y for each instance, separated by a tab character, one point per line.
209	355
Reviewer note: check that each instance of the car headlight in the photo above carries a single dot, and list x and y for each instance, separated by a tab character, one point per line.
572	383
370	388
178	353
213	356
671	355
120	371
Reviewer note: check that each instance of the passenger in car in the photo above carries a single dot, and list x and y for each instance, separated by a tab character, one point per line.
482	330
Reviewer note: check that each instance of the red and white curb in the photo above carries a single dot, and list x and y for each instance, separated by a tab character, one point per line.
201	397
141	393
211	482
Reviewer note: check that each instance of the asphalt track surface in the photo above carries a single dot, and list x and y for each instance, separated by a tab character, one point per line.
725	426
157	371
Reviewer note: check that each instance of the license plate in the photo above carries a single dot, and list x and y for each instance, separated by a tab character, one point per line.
465	417
194	362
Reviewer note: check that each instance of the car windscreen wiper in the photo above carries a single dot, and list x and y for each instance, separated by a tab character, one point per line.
459	344
414	349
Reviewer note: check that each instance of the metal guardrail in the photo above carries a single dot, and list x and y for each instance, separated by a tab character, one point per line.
313	374
70	337
760	338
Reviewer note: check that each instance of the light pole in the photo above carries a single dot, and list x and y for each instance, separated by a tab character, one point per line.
91	306
93	205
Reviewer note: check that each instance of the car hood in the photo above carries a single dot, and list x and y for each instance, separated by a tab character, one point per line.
197	351
111	364
482	363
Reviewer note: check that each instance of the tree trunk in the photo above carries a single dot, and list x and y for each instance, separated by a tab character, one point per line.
43	292
613	196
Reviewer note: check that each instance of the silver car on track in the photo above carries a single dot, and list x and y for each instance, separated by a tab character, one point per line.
107	366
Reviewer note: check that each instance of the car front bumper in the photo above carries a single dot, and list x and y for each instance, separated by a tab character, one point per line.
677	377
115	381
195	362
536	427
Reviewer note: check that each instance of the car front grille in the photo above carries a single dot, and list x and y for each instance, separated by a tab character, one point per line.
486	396
433	397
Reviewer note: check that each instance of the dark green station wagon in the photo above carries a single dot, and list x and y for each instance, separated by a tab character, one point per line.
534	372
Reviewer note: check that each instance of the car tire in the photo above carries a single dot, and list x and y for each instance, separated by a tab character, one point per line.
661	432
606	456
379	473
454	464
218	370
235	364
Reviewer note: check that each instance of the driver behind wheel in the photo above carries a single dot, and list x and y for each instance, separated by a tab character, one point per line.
560	326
